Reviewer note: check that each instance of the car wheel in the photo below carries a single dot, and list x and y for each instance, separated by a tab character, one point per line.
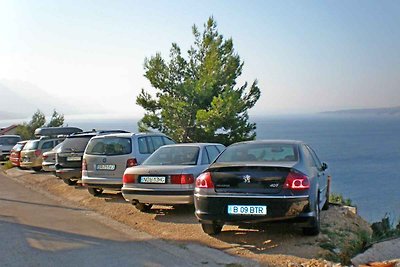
69	181
316	224
37	169
95	191
143	207
211	228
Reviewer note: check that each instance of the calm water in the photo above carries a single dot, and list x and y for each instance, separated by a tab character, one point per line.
363	154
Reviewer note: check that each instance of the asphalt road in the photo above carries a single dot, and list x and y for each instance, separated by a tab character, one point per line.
36	230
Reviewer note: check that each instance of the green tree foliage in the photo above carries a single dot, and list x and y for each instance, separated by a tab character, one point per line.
27	130
197	99
56	120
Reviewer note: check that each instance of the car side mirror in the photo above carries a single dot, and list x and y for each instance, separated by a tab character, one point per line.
324	166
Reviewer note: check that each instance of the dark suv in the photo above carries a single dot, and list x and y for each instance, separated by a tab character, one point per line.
69	156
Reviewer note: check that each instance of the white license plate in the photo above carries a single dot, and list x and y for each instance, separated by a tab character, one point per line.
73	158
153	179
247	210
105	167
25	160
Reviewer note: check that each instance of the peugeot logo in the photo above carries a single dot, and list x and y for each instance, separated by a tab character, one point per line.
246	178
104	160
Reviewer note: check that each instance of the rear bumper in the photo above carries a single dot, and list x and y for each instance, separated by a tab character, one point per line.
214	208
158	196
49	167
102	182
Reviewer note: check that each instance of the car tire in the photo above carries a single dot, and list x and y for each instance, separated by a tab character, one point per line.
316	224
69	181
211	228
37	169
143	207
95	191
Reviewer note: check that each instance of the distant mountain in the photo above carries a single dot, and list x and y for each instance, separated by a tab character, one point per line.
21	99
393	111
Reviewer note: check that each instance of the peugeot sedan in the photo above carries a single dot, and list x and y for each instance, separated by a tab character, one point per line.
260	181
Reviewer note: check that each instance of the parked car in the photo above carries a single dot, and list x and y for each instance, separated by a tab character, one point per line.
7	142
49	159
106	158
259	181
168	175
69	156
32	153
15	155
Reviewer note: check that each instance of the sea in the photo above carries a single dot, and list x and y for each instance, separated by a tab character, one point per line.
362	153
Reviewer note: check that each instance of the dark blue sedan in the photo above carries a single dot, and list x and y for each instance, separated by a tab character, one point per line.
260	181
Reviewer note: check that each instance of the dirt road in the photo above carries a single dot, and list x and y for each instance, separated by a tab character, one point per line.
38	231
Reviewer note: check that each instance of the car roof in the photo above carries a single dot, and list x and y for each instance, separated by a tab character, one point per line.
128	135
272	141
10	135
193	144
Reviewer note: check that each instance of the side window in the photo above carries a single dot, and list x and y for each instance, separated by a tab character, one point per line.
213	152
205	158
47	145
168	141
143	148
157	142
315	158
308	156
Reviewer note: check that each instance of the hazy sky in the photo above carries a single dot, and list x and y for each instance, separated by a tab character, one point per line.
307	55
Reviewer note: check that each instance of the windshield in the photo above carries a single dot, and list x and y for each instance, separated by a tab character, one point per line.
75	144
31	145
9	141
258	152
174	155
109	146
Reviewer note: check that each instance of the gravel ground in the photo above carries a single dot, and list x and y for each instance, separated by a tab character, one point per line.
277	244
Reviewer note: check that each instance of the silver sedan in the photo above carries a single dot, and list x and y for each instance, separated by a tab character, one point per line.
168	175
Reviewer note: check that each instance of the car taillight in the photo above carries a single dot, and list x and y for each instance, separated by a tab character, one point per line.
204	181
296	181
38	152
128	178
84	165
182	179
45	156
131	163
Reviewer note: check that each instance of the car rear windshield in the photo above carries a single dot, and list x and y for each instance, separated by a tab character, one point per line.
9	141
75	144
259	152
31	145
174	155
109	146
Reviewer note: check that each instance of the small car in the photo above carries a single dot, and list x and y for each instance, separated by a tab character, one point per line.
260	181
15	155
69	155
49	159
167	176
32	153
106	157
7	142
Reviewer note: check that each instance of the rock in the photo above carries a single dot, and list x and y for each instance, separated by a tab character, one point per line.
380	252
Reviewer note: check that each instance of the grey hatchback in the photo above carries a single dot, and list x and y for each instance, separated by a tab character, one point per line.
106	157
